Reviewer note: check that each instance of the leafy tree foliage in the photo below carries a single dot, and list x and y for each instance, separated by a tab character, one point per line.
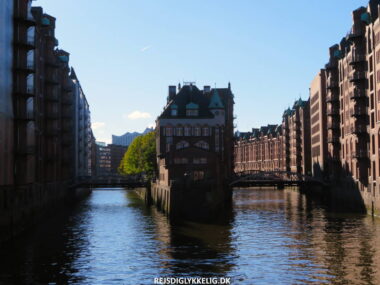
140	156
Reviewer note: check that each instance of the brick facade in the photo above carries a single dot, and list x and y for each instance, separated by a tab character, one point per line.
284	147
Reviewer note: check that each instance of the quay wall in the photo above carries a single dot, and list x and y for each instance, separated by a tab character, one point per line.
23	206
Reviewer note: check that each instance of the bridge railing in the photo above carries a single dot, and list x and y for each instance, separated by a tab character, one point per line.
275	175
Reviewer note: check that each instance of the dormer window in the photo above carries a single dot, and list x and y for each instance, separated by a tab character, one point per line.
192	109
174	110
191	113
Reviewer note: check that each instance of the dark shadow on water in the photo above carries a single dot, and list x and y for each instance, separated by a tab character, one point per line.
47	252
190	248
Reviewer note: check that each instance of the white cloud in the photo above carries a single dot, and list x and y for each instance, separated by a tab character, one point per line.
97	125
145	48
135	115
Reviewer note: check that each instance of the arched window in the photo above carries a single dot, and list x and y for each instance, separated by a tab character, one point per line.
202	144
182	144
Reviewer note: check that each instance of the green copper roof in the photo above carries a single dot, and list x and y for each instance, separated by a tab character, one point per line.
64	58
192	105
365	17
287	112
45	21
215	102
174	106
338	53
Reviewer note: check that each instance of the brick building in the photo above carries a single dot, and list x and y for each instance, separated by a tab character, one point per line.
353	100
117	153
261	149
284	147
297	137
318	124
338	135
194	145
193	133
36	114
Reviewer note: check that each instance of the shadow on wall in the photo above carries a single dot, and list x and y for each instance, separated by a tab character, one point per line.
345	193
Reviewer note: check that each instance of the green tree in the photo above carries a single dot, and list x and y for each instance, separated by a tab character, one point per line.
140	156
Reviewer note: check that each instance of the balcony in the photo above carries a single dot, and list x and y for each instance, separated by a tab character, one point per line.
333	139
359	129
331	83
25	116
332	97
27	67
358	93
24	17
355	34
332	111
361	154
333	125
26	43
26	92
331	65
356	57
358	111
357	76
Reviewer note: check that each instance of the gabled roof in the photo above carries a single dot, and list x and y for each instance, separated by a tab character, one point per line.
188	97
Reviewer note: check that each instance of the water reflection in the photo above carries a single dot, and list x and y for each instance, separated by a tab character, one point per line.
270	237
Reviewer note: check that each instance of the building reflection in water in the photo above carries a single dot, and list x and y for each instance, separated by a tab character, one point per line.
344	247
50	251
271	237
191	249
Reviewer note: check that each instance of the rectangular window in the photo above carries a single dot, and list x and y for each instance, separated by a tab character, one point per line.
169	132
191	113
196	131
216	139
179	132
206	131
372	120
198	175
187	131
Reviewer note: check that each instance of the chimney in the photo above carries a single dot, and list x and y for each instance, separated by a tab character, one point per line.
206	89
172	92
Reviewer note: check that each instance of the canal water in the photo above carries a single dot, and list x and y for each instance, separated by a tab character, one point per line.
270	237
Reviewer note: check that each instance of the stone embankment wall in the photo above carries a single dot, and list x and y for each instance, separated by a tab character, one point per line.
22	207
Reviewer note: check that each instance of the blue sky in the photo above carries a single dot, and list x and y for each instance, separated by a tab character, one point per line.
126	53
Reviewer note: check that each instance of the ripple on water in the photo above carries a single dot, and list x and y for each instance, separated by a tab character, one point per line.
273	237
